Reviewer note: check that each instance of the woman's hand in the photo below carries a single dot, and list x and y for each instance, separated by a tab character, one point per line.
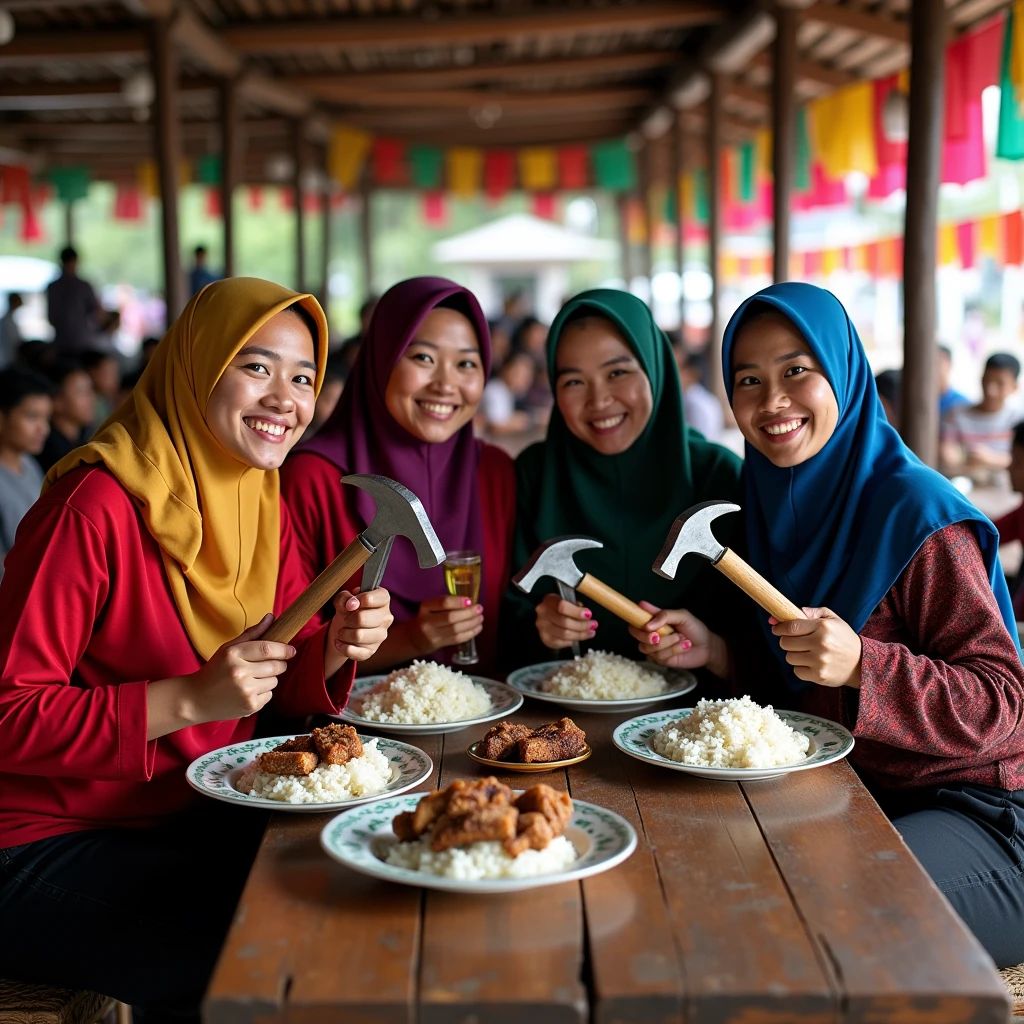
445	622
360	625
692	645
822	648
561	623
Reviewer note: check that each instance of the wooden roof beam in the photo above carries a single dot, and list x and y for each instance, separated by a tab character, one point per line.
858	20
360	33
810	71
28	49
467	99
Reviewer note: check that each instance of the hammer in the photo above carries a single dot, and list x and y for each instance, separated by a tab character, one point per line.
691	534
555	559
399	513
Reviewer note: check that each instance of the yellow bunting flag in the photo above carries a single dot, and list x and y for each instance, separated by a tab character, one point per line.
730	267
843	130
636	223
831	261
538	169
887	258
763	146
148	181
988	237
903	80
184	172
688	189
465	167
1017	50
796	266
859	257
347	155
949	251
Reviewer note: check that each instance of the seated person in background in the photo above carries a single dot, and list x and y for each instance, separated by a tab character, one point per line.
703	410
888	384
1011	526
335	375
25	408
502	407
976	439
105	373
201	275
146	352
10	336
74	411
35	355
949	397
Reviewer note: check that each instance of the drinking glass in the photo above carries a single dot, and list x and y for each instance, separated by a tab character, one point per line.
462	577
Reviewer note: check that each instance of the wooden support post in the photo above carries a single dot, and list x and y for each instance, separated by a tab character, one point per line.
784	63
366	240
325	241
230	155
920	407
676	165
69	223
714	161
168	154
298	155
622	202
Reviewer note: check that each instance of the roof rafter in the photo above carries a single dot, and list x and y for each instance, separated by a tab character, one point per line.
858	20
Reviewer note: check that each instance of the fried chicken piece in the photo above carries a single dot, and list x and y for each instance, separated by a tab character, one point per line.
402	826
555	742
555	806
300	743
533	832
471	797
499	743
337	744
429	809
487	823
288	762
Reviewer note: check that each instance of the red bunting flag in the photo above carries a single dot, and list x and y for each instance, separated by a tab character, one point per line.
544	205
435	213
965	243
499	172
14	185
573	167
1013	246
213	204
286	197
255	198
389	161
31	227
128	203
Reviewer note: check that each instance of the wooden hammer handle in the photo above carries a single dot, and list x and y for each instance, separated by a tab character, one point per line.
617	604
756	586
318	593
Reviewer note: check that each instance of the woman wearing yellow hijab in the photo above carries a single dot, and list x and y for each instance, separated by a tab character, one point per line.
130	616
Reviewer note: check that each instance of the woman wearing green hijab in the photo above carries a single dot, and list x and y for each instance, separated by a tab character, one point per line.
619	464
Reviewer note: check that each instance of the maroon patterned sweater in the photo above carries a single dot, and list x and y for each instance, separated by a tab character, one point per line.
942	685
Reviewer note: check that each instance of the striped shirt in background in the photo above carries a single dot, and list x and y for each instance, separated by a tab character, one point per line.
966	426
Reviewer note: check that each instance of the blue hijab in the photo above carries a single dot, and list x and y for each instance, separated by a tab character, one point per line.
837	530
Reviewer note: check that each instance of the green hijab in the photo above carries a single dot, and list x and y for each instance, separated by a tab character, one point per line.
627	501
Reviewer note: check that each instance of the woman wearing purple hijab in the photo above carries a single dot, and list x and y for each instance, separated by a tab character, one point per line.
407	413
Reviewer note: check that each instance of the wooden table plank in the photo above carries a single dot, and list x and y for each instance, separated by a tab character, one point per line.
900	951
310	936
502	959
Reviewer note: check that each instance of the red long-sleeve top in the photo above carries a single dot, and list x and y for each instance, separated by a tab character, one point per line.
87	619
942	686
325	521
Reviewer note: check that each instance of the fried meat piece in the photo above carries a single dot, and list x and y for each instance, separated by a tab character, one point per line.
337	744
533	832
499	743
402	826
303	743
471	797
288	762
555	806
487	823
429	809
555	742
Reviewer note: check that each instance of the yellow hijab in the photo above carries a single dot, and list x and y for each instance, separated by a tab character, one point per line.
216	519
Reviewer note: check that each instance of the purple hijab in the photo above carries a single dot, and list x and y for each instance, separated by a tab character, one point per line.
362	437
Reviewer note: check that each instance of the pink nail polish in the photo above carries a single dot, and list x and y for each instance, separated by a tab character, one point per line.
466	603
655	639
593	626
479	609
587	613
686	645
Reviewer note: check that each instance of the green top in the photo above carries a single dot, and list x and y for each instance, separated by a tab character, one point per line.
627	501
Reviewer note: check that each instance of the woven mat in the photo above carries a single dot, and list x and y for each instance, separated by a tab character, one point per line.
1013	979
25	1003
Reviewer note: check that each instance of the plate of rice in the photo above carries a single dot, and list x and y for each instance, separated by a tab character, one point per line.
427	699
603	682
735	740
233	774
593	840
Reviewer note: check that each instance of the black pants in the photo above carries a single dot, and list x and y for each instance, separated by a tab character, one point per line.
137	914
970	840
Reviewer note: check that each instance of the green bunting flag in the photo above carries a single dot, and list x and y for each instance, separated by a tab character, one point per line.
70	183
802	171
614	165
426	166
208	169
701	210
1010	140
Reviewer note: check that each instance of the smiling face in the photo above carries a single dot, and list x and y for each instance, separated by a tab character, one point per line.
435	388
264	400
603	394
782	400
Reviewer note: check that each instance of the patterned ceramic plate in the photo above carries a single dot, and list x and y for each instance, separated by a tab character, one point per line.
216	773
361	838
829	742
503	703
527	681
518	766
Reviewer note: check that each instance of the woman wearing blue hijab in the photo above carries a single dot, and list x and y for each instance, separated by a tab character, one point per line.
910	639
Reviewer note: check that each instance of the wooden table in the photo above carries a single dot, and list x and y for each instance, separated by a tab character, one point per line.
769	903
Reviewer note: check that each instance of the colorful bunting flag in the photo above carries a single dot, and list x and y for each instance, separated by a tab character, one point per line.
426	166
388	161
544	205
499	172
128	203
208	169
538	169
1010	140
614	165
573	163
802	170
346	155
464	167
435	213
71	183
255	198
213	204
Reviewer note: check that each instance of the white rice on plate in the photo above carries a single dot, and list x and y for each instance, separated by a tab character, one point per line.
730	734
362	776
482	859
422	694
599	675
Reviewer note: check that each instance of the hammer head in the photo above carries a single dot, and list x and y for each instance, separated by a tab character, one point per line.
554	559
691	534
399	514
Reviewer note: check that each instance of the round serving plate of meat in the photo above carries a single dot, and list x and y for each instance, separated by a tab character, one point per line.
475	752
